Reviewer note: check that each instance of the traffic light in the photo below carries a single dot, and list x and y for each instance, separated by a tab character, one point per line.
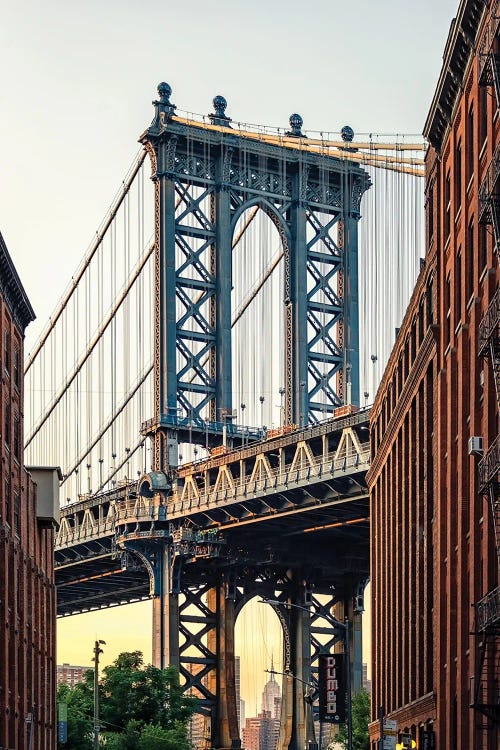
406	742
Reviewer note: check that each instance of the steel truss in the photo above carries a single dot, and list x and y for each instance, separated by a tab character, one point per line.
204	181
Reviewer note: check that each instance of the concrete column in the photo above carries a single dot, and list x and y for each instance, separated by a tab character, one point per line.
165	615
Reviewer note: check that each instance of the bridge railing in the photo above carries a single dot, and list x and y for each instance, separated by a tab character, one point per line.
141	510
331	463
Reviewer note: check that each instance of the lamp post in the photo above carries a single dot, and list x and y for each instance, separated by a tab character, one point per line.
97	651
308	700
282	409
344	628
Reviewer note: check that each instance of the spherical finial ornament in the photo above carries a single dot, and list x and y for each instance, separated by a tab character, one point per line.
347	133
164	92
296	123
220	105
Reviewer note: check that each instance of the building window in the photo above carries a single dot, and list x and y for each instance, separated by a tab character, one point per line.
458	287
470	143
7	500
17	371
17	512
7	425
447	206
483	114
483	247
430	212
17	437
458	176
447	310
470	259
6	354
430	304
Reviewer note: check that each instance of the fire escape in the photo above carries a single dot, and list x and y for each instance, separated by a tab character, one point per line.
487	611
489	76
489	63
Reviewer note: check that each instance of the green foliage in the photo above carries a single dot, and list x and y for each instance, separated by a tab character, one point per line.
360	719
80	703
141	708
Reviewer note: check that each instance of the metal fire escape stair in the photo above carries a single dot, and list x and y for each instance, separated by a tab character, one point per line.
489	197
487	610
488	58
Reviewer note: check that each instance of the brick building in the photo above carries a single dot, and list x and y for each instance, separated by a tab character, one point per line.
435	634
71	674
27	515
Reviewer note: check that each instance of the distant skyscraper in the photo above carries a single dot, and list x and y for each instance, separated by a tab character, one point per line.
271	696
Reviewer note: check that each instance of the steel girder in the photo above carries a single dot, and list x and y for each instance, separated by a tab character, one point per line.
204	181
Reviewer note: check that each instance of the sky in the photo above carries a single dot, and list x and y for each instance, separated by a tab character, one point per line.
77	82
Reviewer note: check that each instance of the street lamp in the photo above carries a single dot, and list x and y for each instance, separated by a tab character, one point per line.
97	651
308	700
344	628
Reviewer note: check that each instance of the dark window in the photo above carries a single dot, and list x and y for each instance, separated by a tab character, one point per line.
17	378
447	310
19	591
483	247
458	176
7	425
458	287
430	304
430	212
483	114
470	259
7	500
447	206
17	511
421	322
6	354
17	437
470	143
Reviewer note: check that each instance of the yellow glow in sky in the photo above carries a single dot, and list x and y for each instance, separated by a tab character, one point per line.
128	628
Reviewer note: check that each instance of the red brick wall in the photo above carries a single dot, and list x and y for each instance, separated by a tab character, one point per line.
27	590
433	553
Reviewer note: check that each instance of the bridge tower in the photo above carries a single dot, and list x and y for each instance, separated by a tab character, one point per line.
206	176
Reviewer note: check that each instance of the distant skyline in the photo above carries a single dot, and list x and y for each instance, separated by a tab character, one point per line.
77	85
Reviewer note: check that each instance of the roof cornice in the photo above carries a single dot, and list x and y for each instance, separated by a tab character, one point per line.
12	289
461	42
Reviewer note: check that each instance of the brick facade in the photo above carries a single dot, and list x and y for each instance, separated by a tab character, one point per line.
433	546
27	590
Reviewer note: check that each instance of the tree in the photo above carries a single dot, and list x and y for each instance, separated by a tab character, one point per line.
360	719
138	705
131	691
80	707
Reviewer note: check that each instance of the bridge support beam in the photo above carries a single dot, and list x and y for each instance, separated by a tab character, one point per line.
165	613
225	733
351	312
298	300
223	285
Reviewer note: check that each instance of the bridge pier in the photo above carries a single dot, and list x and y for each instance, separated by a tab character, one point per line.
165	613
225	733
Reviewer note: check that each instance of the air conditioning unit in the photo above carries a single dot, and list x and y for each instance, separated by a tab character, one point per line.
476	446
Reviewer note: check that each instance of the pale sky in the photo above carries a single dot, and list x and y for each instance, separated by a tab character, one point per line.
77	81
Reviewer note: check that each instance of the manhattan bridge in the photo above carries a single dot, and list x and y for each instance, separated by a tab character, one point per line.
204	385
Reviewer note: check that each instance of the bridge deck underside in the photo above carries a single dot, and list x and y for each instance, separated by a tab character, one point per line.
331	539
300	501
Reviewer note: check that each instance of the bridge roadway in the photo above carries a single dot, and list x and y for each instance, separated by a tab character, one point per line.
294	497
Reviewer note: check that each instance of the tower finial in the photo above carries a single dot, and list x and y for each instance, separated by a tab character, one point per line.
164	109
219	117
